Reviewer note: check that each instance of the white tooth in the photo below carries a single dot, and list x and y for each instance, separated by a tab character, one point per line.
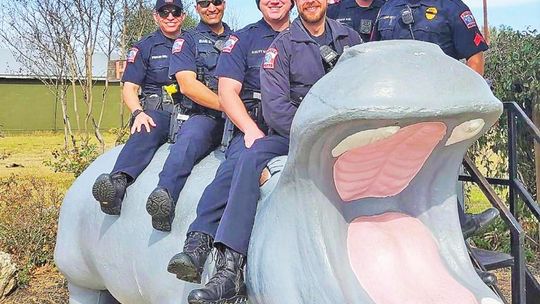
363	138
465	131
489	301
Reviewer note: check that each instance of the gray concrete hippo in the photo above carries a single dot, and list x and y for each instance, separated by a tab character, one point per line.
363	211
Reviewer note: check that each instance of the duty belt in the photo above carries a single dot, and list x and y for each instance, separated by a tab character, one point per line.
254	109
156	102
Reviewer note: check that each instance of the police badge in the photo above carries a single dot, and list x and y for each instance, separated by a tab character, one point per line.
365	26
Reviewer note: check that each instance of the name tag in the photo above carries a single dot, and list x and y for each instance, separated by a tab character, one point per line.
159	57
182	117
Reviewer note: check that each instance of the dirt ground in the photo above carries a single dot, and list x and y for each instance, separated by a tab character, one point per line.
47	286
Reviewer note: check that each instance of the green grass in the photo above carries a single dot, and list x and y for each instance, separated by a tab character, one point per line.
476	201
29	106
28	151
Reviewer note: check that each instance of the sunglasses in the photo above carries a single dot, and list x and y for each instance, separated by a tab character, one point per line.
206	3
164	13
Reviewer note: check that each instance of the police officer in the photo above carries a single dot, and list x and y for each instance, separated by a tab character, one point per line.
147	71
193	64
447	23
239	95
358	14
451	25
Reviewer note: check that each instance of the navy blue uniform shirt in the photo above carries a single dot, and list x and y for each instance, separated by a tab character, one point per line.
291	67
361	19
447	23
243	54
195	49
148	63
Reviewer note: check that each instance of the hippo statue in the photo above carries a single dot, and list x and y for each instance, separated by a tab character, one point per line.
363	210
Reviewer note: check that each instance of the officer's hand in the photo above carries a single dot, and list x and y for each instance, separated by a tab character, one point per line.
251	136
140	120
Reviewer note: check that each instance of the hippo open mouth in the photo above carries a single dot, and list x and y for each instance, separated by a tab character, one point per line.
381	163
378	161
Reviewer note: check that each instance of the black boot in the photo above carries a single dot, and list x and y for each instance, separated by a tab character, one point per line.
487	277
188	265
161	207
227	285
475	222
109	191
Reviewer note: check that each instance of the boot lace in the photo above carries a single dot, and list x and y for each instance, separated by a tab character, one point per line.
198	243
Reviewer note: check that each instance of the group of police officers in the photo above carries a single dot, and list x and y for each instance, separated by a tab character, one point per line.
180	85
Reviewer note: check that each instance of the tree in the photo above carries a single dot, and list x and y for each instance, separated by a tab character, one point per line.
513	64
40	46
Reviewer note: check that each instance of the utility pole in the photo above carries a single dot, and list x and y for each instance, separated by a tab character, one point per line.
486	26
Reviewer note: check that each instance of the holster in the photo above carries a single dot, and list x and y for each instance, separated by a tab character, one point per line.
178	117
176	110
254	109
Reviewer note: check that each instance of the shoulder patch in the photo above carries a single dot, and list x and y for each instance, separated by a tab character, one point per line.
270	58
230	44
468	19
177	46
132	54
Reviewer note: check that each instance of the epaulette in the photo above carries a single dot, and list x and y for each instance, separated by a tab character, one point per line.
247	28
459	3
147	37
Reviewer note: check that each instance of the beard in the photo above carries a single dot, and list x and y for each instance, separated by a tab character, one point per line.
310	17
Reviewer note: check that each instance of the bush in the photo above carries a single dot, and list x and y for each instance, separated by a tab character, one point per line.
121	135
29	209
513	63
75	159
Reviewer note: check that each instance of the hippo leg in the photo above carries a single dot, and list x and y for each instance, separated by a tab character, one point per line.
81	295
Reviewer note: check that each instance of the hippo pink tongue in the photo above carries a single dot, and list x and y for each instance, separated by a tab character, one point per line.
396	260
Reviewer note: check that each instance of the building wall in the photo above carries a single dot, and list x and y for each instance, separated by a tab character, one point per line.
28	105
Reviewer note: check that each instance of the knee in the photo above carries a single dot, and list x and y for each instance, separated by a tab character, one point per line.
248	155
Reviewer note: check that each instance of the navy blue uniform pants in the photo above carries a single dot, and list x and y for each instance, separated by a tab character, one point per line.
228	206
198	136
141	146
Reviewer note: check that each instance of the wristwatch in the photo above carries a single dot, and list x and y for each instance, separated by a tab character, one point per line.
135	113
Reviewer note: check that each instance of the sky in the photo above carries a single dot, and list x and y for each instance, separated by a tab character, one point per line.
517	14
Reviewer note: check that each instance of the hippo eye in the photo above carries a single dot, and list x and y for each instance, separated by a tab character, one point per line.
363	138
465	131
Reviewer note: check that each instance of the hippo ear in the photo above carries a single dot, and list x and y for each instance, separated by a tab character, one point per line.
386	167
